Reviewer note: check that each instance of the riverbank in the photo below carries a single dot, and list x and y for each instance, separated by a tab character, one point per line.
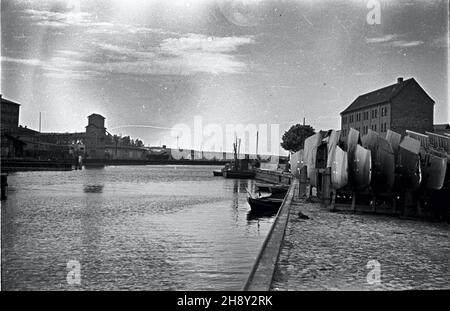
336	251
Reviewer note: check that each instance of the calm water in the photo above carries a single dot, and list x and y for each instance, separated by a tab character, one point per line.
130	227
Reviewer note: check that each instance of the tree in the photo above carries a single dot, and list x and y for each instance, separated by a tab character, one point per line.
293	140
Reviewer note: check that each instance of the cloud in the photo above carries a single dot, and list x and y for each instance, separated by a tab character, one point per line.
57	19
23	61
393	40
56	67
76	18
199	42
107	48
199	53
185	55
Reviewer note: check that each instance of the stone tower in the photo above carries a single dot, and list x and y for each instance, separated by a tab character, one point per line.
95	137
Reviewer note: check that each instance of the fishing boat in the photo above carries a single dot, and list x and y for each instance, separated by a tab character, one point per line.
383	162
339	169
264	203
239	168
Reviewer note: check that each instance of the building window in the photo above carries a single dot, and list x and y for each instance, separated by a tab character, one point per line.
358	117
344	120
384	111
374	113
350	119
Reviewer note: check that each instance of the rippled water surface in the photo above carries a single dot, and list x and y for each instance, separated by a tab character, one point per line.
130	227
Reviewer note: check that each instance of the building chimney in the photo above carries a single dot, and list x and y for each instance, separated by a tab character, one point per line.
400	80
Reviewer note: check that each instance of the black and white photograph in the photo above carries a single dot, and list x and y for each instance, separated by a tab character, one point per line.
244	146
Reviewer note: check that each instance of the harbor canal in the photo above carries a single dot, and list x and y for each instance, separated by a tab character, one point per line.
129	227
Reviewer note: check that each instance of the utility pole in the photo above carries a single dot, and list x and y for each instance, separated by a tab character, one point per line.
304	121
257	137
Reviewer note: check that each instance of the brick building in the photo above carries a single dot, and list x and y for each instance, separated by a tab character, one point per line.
399	107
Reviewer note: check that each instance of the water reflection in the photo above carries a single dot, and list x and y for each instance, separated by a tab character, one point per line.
253	215
93	188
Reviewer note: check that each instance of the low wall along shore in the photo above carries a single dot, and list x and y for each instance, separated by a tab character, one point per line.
261	275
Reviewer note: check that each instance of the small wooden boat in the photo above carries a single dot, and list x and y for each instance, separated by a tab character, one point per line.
409	164
333	140
362	167
339	167
394	139
433	164
433	171
309	156
359	162
238	174
272	188
218	173
383	162
264	203
276	191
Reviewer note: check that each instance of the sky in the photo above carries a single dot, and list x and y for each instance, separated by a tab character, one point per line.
148	65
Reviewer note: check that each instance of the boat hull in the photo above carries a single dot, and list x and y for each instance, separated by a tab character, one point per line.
433	171
339	169
409	168
352	142
239	174
217	173
362	168
309	156
264	204
383	162
409	164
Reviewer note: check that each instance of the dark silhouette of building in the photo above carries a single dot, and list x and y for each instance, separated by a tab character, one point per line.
10	145
95	137
9	115
442	129
399	107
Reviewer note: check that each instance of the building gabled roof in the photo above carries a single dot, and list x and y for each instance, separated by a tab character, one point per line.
380	96
7	101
